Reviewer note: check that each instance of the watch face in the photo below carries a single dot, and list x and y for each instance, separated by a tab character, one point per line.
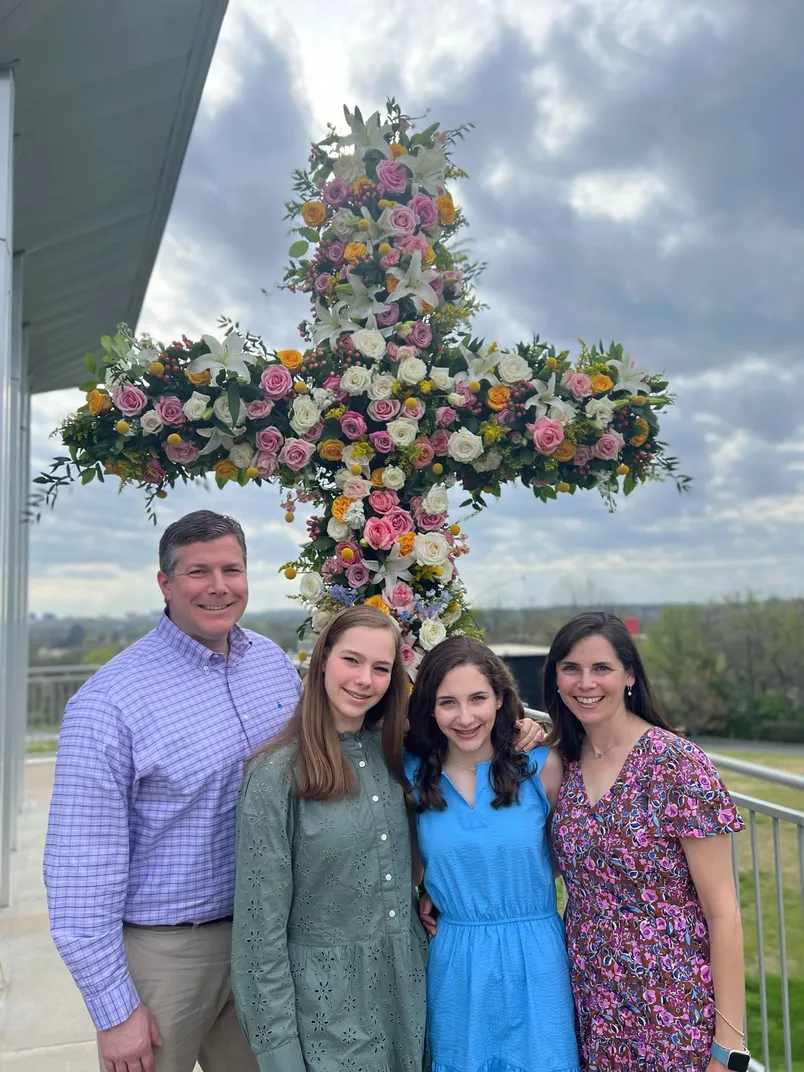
738	1062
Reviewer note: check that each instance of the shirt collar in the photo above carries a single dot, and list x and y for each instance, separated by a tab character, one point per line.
195	652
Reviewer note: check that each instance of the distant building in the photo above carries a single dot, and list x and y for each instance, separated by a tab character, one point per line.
526	662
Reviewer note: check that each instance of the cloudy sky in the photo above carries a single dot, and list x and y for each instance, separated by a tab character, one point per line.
636	174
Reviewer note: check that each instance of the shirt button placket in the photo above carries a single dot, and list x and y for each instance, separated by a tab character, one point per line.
387	887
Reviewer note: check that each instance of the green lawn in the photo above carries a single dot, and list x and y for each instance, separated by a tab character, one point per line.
47	746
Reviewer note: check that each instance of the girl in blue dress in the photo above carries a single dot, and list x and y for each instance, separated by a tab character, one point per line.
498	988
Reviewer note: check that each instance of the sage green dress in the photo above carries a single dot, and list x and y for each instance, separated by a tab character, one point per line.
328	954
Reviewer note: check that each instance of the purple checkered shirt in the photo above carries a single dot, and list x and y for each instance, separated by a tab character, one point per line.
142	820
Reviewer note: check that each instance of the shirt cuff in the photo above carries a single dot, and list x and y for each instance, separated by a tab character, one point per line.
112	1006
287	1058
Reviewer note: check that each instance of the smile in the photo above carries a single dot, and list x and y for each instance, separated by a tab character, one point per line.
215	606
587	701
467	733
357	696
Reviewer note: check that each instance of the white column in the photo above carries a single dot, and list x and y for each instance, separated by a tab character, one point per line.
7	804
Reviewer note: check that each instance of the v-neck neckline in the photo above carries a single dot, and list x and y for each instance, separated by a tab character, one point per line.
617	778
478	783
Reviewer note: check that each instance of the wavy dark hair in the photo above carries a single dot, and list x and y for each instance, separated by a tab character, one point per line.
425	739
567	733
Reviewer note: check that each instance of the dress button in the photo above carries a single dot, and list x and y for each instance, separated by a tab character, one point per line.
375	798
392	913
388	878
362	763
383	837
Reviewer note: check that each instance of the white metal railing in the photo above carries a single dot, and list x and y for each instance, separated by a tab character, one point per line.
49	689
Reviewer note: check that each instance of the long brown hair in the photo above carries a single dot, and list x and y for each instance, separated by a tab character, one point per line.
567	733
425	739
321	770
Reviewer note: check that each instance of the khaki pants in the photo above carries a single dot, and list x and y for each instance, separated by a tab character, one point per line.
183	976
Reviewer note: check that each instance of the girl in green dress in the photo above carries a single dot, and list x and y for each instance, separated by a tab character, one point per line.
329	955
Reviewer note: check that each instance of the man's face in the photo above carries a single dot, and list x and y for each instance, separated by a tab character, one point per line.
208	591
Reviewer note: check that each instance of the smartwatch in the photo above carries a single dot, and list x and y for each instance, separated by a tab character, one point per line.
735	1060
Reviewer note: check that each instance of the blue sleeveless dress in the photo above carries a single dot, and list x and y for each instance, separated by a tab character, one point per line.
498	986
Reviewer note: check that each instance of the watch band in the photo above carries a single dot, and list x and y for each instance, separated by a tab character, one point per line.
734	1060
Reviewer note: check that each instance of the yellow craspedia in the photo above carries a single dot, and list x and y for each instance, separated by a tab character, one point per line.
562	485
455	529
290	572
437	468
355	469
161	494
302	656
411	403
474	386
622	470
252	472
383	248
174	439
314	213
291	359
601	383
551	363
289	517
347	554
123	427
453	607
354	250
300	387
364	225
156	368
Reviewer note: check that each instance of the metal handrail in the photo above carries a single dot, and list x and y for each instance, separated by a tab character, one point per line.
755	770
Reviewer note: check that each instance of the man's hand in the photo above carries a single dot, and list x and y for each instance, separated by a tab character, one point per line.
530	734
128	1047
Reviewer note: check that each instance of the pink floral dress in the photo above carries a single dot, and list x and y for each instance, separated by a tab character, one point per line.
637	938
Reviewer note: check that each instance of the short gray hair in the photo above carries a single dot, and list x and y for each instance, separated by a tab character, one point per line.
199	526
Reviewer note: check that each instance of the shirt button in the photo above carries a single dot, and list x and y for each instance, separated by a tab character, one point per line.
387	878
359	744
206	669
383	837
375	799
245	718
392	913
362	763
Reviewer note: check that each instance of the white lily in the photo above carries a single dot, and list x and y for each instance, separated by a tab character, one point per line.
217	438
378	230
394	568
545	396
630	377
365	135
481	365
563	411
331	324
227	355
427	168
360	298
415	282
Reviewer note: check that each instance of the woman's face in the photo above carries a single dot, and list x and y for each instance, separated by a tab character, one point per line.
466	709
592	681
357	674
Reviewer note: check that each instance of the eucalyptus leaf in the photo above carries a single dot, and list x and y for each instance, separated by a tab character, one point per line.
87	476
298	249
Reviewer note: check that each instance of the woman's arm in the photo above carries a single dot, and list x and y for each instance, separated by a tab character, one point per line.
551	775
709	860
415	856
263	987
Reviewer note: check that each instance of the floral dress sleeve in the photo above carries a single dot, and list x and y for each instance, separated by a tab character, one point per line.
687	797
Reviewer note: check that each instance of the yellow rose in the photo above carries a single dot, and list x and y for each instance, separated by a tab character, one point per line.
391	283
291	359
637	440
314	213
601	383
379	603
565	451
98	402
358	184
497	397
225	469
376	477
354	250
340	506
446	209
397	150
198	379
406	543
331	450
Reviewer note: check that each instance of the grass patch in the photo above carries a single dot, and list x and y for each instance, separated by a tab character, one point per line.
47	746
773	987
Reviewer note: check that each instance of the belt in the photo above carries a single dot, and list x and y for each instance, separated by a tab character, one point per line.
184	923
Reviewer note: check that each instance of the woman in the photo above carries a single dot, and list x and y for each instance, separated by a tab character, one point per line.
641	833
498	988
328	952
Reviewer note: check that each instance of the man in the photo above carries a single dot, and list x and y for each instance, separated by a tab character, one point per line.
139	858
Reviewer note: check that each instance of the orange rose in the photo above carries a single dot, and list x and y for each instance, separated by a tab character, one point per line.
376	477
637	440
497	398
406	543
391	283
429	256
291	359
199	379
601	383
340	506
331	450
565	451
314	213
446	209
98	402
397	150
358	184
379	603
225	469
354	250
640	422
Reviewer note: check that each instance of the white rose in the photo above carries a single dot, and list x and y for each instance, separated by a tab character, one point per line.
336	530
220	408
450	617
430	549
393	477
445	572
512	368
431	633
441	378
464	446
311	587
241	454
348	167
411	370
355	516
436	500
403	431
381	387
341	224
322	397
457	400
151	422
600	409
304	416
370	343
319	619
356	380
341	478
405	352
356	488
196	406
489	462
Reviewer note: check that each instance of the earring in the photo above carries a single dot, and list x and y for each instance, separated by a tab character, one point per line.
629	689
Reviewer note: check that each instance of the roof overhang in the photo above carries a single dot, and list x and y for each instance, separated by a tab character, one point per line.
106	95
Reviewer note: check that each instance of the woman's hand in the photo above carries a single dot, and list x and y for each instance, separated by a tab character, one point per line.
428	913
530	734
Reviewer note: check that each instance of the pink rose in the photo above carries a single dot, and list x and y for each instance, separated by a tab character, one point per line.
312	435
389	316
266	464
154	473
354	547
183	453
437	283
169	410
379	534
583	455
352	425
335	192
439	441
405	352
391	258
391	177
402	220
430	522
259	409
333	383
416	242
445	415
425	208
399	595
452	279
356	488
321	285
382	442
392	351
335	252
410	657
421	334
357	575
579	384
130	400
383	501
547	434
384	409
462	389
609	445
416	412
296	453
270	440
276	381
400	521
423	453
